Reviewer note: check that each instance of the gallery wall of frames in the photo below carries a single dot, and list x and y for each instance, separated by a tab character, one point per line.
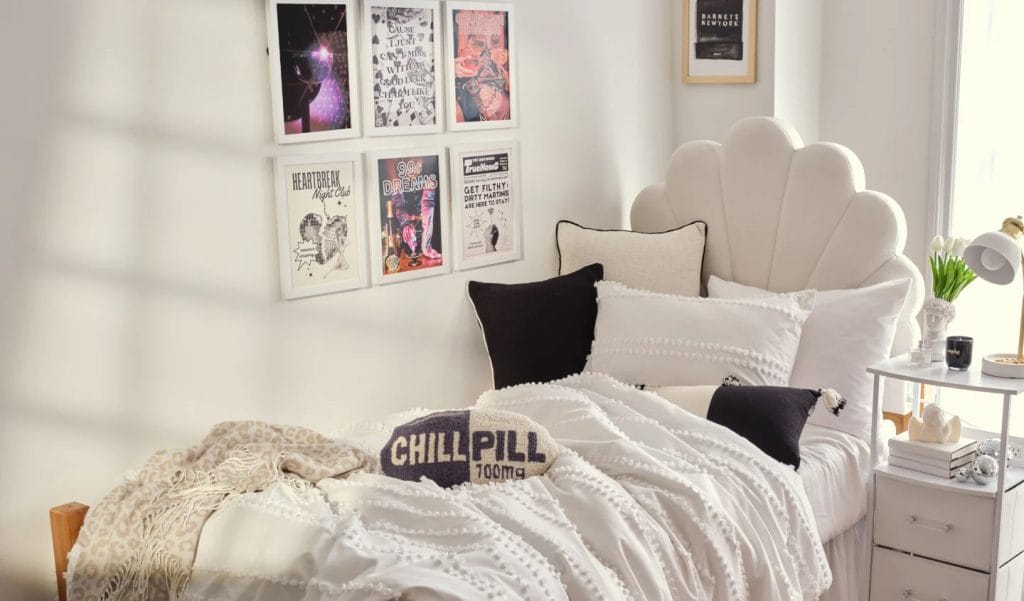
346	69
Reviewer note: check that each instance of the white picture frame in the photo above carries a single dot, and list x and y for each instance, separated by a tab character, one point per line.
482	232
371	73
312	61
409	184
311	198
460	102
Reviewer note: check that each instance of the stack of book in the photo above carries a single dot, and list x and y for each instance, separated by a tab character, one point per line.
941	459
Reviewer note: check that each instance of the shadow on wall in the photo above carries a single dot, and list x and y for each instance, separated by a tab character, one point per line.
28	111
138	246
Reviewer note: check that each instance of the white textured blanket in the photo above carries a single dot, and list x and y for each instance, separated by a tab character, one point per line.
646	502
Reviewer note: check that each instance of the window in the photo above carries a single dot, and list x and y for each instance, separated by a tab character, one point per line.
988	182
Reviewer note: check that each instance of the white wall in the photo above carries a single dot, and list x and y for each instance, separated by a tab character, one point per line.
798	65
876	98
706	111
137	242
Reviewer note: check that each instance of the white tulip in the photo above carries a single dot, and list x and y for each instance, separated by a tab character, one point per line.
950	243
960	246
938	244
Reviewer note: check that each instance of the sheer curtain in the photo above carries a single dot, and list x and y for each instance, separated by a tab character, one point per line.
988	183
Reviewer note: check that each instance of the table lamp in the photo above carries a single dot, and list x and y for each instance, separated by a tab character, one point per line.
996	258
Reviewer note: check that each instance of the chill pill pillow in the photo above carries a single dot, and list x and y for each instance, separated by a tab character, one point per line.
475	445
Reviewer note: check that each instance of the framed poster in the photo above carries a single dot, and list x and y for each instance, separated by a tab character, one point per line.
320	217
719	41
481	88
401	59
408	215
486	207
312	76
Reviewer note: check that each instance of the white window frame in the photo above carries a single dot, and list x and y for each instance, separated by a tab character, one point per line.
949	19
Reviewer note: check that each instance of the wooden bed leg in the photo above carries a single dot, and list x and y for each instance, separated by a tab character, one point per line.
902	420
65	522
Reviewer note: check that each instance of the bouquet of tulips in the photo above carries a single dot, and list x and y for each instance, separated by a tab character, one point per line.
950	275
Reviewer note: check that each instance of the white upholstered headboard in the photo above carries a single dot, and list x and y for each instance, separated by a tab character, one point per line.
785	217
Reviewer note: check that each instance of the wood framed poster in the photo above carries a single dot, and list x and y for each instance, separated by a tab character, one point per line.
312	69
320	224
408	214
719	41
486	206
401	62
481	66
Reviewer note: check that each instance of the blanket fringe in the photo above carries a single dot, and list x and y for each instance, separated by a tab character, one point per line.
191	492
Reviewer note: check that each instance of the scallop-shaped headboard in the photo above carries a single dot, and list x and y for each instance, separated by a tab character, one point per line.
785	217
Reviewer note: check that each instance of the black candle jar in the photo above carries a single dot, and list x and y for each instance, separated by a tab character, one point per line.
958	352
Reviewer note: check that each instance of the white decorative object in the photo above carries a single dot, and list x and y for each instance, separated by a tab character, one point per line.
1002	365
783	216
312	49
402	68
643	337
985	469
990	447
481	65
666	262
938	314
933	426
487	208
847	331
321	231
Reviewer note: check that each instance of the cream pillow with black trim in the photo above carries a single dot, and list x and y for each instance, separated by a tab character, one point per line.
668	262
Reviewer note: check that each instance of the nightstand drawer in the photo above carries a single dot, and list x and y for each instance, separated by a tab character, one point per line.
935	523
901	577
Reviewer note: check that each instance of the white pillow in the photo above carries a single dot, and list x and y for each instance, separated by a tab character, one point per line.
665	262
655	339
848	330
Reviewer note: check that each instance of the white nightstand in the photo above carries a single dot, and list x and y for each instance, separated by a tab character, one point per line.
936	539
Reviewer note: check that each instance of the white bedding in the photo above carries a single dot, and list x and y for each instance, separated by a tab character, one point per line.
834	467
648	502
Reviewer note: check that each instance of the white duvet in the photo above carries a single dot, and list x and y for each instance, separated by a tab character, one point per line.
645	502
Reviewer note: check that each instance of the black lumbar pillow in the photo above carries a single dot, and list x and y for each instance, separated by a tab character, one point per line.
539	331
771	417
478	445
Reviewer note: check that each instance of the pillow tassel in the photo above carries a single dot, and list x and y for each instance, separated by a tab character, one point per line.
833	400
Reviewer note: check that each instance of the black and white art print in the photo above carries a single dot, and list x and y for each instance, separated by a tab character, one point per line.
720	41
486	206
320	217
312	79
402	55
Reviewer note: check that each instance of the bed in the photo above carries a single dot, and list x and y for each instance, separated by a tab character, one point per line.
792	216
785	218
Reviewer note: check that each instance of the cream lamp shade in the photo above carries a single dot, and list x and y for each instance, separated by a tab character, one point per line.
994	256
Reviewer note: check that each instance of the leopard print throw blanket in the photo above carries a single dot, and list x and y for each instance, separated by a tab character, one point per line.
139	542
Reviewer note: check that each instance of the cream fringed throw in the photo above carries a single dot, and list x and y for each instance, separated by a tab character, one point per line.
140	541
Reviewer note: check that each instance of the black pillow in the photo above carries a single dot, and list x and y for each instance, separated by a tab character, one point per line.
538	331
771	417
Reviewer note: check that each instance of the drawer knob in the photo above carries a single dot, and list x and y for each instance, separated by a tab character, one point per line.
944	527
908	595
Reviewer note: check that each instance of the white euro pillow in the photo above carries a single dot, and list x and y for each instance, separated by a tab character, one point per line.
656	339
847	331
668	262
